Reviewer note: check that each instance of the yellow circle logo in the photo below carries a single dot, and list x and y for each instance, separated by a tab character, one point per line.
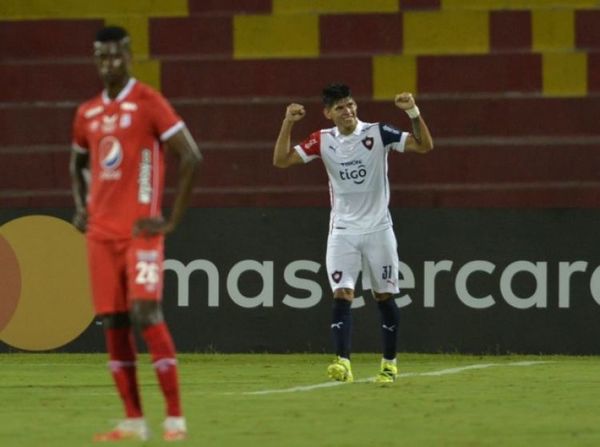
46	299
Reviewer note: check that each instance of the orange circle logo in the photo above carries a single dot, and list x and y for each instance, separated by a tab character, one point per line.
44	279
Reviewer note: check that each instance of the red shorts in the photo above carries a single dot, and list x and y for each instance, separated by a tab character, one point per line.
122	270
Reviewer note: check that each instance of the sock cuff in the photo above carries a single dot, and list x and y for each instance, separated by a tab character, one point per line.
116	365
164	364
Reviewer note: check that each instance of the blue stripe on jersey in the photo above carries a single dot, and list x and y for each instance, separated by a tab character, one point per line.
389	134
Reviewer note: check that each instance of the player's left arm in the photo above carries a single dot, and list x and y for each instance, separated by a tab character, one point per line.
183	145
420	140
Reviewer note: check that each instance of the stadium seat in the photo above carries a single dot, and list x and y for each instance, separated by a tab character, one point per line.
509	89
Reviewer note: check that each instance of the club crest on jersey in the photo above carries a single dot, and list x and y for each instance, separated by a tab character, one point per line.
336	276
109	123
110	156
368	142
125	120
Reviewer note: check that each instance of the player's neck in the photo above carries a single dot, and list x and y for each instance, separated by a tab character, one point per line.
113	90
346	130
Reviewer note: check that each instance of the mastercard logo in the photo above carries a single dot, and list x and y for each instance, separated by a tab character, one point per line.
46	298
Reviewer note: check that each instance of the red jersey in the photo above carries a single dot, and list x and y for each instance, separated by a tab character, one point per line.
124	138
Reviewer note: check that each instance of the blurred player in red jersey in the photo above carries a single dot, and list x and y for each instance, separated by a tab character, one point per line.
121	135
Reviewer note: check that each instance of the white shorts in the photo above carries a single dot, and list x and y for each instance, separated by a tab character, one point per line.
374	253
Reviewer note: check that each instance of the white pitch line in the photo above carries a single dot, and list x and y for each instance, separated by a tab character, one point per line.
441	372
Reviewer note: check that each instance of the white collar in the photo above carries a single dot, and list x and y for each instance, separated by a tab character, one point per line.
122	94
357	130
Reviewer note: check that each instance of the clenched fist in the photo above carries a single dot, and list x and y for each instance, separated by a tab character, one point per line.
404	101
295	112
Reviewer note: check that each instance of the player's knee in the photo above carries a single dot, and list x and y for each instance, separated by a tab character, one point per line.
116	320
381	297
343	294
145	313
144	320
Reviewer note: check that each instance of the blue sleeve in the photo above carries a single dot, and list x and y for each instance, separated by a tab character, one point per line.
389	134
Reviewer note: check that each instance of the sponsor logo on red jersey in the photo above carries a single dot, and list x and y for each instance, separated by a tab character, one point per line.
90	113
145	177
110	156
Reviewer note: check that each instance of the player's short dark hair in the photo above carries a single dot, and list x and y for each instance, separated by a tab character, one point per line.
112	34
334	92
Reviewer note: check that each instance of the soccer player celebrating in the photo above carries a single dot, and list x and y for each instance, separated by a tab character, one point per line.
121	135
360	236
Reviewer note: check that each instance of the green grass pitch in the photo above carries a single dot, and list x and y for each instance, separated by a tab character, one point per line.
285	400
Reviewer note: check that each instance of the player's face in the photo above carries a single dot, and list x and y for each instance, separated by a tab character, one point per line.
343	115
112	61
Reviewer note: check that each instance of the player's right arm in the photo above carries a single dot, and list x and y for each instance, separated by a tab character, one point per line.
79	162
284	155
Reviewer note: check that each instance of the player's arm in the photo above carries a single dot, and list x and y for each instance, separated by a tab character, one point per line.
183	145
284	155
78	163
420	140
186	149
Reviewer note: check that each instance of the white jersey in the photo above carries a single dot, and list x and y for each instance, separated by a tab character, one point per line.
357	168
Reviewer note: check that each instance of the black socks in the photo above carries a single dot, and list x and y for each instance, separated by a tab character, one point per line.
390	316
341	327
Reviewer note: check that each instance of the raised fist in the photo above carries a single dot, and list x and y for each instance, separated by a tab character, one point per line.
295	112
404	101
